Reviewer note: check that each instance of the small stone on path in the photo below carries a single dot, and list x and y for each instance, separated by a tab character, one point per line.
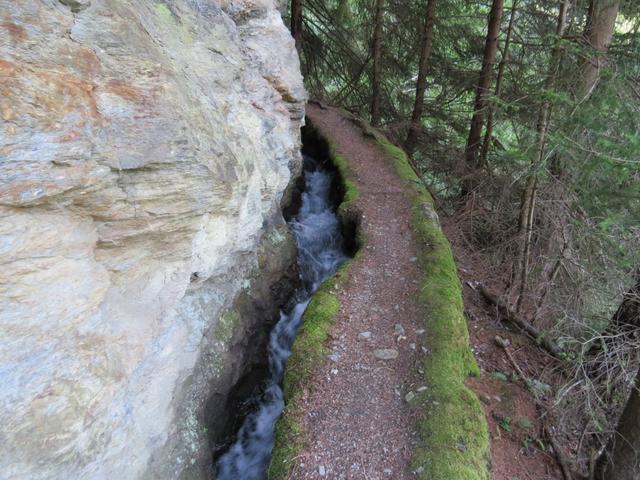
321	471
399	329
364	336
386	354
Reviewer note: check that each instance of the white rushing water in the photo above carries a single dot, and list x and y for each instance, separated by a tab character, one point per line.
321	251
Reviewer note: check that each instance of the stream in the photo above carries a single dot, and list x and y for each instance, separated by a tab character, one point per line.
321	250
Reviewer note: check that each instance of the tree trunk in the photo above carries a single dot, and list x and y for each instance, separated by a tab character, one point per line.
377	57
421	85
621	458
503	61
488	59
527	207
296	23
598	34
587	25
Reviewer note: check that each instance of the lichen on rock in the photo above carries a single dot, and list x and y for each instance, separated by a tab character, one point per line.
145	148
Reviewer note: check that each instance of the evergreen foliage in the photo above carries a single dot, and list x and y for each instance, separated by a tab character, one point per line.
567	187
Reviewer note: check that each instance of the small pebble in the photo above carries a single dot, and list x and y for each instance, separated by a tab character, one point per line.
322	471
364	336
386	354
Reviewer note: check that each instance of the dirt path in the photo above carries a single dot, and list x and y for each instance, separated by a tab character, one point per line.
359	425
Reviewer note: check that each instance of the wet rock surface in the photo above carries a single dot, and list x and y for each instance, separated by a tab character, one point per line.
145	148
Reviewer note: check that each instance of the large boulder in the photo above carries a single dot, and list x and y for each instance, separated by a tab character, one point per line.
145	146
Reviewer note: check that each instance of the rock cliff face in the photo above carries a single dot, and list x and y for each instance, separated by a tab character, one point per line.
145	146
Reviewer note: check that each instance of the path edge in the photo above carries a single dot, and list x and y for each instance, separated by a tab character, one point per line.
453	432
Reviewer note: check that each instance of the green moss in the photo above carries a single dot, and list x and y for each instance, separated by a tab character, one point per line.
226	325
308	352
349	188
289	439
308	349
454	438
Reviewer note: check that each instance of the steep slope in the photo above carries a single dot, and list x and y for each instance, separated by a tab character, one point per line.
145	148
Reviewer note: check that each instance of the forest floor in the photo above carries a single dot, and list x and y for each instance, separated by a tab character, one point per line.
519	448
358	422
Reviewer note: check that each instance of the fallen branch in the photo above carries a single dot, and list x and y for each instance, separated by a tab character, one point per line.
514	318
504	343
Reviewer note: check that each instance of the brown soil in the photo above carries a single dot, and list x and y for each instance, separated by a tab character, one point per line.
359	425
519	448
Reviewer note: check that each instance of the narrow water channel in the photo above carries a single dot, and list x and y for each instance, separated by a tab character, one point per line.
321	250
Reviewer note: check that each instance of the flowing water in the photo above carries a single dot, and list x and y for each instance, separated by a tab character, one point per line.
321	251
